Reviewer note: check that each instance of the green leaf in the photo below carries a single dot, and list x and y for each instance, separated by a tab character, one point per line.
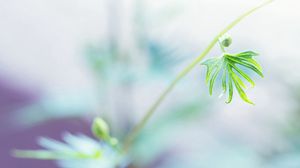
224	80
213	78
238	79
241	91
252	61
248	57
247	54
232	75
246	64
243	74
210	64
39	154
230	90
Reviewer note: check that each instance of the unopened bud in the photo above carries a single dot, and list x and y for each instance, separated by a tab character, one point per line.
226	41
100	129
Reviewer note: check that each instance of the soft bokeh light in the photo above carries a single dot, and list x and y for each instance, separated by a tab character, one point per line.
63	62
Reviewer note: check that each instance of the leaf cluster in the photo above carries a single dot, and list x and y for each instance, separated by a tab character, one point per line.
231	68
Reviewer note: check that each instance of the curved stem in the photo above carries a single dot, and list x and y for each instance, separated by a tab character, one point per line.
136	130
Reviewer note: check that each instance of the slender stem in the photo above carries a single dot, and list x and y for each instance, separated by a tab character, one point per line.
137	129
221	46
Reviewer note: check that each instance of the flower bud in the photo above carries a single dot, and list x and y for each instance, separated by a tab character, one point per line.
100	129
226	41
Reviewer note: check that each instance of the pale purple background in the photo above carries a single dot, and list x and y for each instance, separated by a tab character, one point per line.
14	97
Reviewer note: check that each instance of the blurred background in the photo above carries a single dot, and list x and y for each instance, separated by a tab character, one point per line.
64	62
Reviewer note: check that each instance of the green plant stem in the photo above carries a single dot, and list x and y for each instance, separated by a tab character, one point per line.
221	46
137	129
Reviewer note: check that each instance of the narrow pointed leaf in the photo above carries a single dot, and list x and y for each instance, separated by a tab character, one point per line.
224	82
247	54
211	65
253	62
238	79
248	65
213	79
244	75
230	90
242	93
39	154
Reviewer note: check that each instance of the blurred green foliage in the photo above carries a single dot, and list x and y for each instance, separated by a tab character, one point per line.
76	152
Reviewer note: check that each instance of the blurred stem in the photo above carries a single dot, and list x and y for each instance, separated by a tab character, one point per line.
114	26
137	129
221	46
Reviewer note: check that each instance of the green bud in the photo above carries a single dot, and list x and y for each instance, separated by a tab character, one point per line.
226	41
100	129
